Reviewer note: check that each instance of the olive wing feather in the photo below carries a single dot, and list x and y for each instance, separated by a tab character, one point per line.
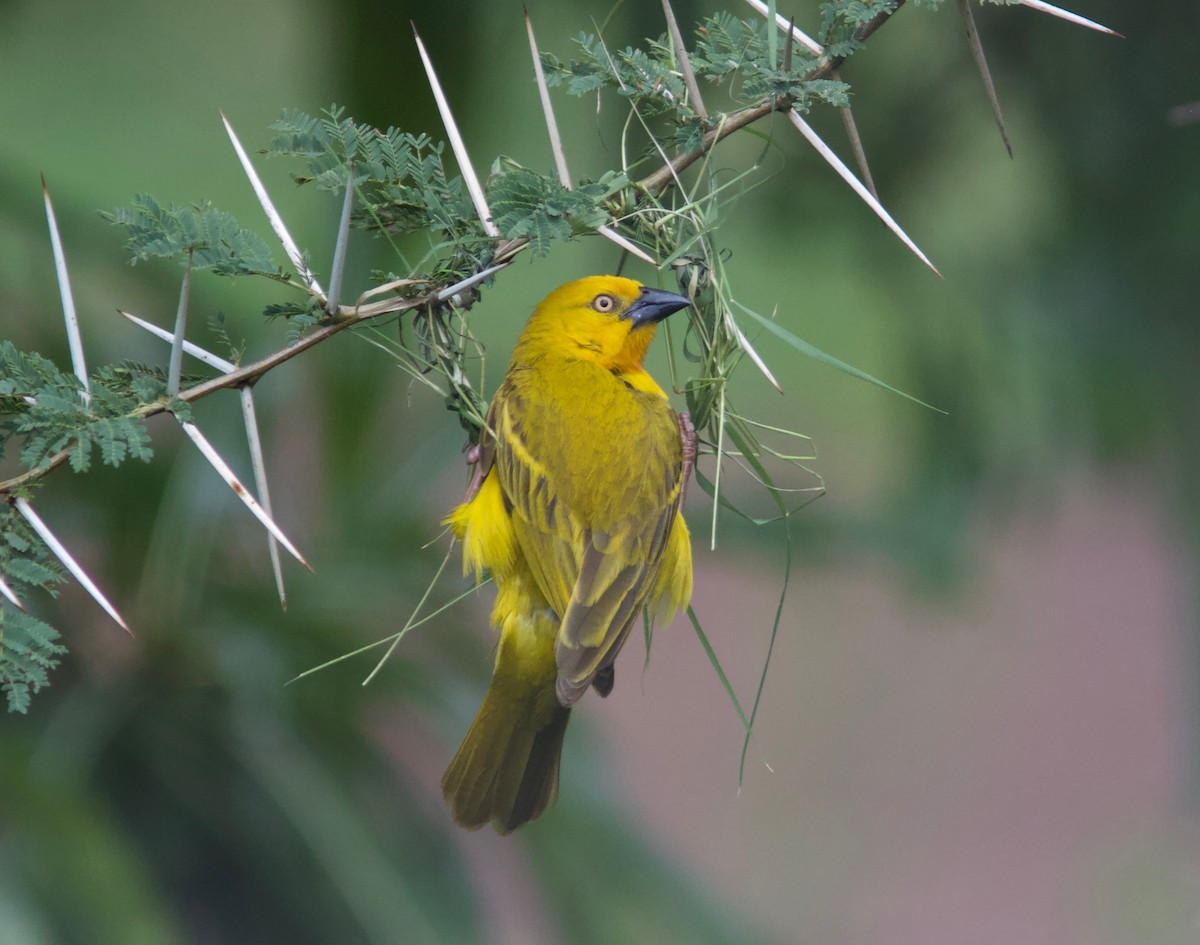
591	529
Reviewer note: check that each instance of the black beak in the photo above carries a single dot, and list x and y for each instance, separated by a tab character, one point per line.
653	305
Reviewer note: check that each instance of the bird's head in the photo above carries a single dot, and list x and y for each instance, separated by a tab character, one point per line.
607	319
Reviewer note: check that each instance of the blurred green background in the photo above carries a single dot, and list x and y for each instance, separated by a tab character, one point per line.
981	720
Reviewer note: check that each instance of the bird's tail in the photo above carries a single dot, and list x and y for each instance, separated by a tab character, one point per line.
506	770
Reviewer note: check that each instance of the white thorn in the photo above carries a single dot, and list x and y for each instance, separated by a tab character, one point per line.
10	594
754	355
466	283
684	63
848	176
212	360
260	483
560	157
338	268
74	340
273	217
239	490
69	562
456	143
1067	15
783	23
175	364
609	233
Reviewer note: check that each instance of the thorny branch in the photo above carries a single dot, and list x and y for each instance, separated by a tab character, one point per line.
506	251
824	69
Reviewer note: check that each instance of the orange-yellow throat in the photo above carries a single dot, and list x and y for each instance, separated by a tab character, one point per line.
577	517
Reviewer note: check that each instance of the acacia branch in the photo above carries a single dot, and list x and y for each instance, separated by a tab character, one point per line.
506	250
825	67
249	374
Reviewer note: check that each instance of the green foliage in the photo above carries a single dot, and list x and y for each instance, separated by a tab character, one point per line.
60	419
842	20
538	207
209	236
28	647
401	180
28	651
730	53
45	407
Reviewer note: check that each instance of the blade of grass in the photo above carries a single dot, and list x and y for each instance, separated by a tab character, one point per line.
410	623
813	352
716	664
370	646
762	679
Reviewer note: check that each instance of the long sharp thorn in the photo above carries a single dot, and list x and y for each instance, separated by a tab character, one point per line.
836	163
782	22
200	354
452	290
69	562
260	482
74	339
456	142
175	365
754	355
630	247
239	490
556	146
252	437
1067	15
273	217
10	594
973	40
860	154
338	268
685	63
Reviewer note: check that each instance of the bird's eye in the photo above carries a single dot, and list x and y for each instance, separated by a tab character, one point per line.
604	304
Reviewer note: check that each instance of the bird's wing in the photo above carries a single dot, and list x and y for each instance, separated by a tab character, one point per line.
592	528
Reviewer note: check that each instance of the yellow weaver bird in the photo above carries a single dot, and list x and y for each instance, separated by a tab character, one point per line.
575	510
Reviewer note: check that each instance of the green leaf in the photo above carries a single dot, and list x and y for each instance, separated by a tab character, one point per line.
211	236
813	352
28	650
